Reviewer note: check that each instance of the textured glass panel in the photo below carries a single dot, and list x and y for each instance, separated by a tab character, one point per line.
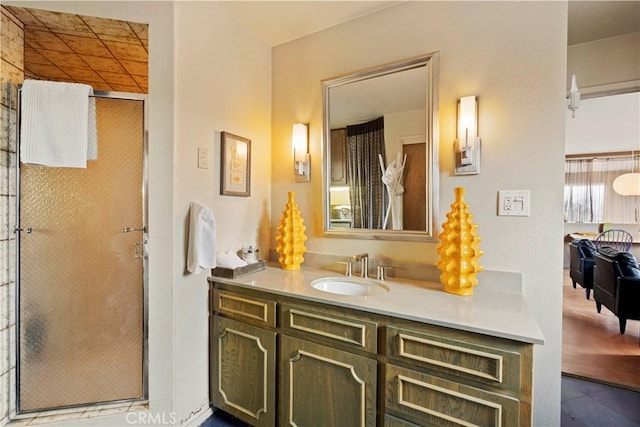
81	286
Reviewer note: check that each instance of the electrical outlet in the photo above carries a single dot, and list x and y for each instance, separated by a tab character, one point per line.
514	203
203	158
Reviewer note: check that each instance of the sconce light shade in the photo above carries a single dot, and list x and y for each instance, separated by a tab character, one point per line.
467	144
627	184
301	158
573	101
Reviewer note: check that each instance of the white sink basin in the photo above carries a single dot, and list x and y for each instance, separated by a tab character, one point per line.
351	286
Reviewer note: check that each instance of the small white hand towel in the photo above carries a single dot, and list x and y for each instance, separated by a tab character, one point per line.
230	260
58	124
201	250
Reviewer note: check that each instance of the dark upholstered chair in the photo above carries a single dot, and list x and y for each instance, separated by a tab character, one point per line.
619	240
616	285
581	262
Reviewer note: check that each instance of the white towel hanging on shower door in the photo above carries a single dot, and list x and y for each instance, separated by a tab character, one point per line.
58	125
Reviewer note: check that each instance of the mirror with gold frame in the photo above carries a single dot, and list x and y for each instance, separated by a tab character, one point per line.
380	152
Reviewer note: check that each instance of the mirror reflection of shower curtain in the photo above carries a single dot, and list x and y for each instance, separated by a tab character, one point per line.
81	287
366	189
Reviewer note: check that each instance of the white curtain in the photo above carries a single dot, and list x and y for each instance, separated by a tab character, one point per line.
589	195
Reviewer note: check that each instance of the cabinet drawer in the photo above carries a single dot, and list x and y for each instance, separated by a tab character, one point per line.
331	325
427	400
248	308
460	357
391	421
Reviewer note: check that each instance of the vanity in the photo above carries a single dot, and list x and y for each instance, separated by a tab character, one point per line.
397	352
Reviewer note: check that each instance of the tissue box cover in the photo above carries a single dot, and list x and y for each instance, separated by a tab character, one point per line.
239	271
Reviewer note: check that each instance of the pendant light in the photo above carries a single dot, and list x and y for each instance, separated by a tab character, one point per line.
628	184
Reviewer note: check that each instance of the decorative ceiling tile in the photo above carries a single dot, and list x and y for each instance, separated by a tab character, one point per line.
64	59
141	30
127	51
135	67
117	78
103	64
83	75
25	16
125	88
110	55
32	56
110	27
57	21
86	46
12	40
38	39
9	73
46	72
129	40
11	17
143	82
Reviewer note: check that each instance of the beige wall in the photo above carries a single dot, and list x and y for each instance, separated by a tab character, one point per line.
607	64
223	83
512	55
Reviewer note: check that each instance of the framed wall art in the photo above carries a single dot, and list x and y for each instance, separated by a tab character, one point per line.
235	168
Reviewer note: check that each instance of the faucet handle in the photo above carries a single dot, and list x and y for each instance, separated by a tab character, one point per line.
348	270
381	271
359	257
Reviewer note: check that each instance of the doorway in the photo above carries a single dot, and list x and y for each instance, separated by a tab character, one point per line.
415	191
81	280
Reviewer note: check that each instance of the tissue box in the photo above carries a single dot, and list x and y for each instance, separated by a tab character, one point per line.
239	271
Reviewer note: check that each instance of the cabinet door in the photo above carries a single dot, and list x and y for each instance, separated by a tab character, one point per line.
321	386
243	371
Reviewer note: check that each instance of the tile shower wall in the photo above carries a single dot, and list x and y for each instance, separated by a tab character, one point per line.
11	73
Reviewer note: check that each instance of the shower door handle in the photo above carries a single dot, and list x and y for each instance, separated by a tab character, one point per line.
28	230
130	229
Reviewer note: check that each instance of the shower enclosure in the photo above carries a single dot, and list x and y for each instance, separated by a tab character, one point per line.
81	282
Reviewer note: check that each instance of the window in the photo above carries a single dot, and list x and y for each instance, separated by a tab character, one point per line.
589	195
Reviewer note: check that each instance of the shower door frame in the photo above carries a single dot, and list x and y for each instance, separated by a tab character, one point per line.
145	262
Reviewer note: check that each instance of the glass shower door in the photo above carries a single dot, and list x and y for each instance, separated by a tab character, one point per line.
81	276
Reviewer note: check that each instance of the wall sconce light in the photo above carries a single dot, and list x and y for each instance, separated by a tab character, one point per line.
467	144
573	101
301	158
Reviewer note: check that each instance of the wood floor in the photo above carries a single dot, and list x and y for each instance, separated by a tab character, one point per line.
592	346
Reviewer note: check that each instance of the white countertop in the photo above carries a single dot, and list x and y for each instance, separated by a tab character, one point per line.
498	314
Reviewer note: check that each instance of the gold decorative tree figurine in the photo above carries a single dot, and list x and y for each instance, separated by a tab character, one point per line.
459	249
290	237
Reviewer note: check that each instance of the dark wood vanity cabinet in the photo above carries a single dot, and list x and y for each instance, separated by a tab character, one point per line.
278	360
243	356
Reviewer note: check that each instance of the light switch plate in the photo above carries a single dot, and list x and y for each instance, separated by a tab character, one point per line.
514	203
203	158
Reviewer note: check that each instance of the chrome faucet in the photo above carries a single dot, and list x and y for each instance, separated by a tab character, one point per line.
363	259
